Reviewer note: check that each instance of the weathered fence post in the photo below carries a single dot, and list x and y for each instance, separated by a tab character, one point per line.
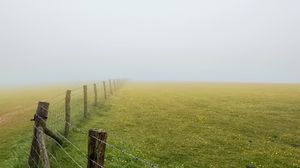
38	148
42	147
110	87
85	100
96	148
40	118
67	111
96	94
104	89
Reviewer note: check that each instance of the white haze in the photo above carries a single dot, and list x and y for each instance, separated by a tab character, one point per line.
216	40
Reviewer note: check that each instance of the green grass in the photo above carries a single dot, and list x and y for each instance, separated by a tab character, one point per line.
189	125
17	108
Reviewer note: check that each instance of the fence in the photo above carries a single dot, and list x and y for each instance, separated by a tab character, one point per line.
53	123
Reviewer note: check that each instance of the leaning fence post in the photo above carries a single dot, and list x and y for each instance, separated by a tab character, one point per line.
96	148
95	94
40	118
85	100
104	89
67	111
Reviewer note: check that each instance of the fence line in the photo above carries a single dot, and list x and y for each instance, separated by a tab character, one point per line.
57	122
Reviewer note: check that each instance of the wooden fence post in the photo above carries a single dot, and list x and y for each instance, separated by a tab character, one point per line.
110	87
67	111
40	118
104	89
96	94
42	147
85	100
96	148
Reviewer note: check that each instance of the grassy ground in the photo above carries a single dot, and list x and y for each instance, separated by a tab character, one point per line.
17	108
189	125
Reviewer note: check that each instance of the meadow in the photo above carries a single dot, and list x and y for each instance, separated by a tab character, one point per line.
172	125
17	108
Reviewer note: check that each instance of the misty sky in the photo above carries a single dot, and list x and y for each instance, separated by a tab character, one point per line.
212	40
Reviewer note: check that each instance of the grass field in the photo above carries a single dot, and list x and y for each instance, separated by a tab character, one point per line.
17	108
175	125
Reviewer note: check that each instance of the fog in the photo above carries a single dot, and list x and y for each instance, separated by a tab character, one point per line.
215	41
